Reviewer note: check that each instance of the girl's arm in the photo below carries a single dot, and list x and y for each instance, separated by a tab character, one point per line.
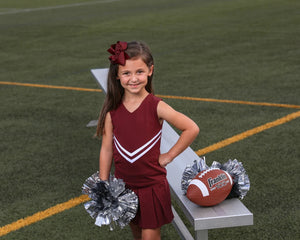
106	152
188	127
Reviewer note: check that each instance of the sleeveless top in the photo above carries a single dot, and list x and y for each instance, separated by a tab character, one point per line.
136	144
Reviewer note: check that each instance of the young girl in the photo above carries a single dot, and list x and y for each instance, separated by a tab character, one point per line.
130	123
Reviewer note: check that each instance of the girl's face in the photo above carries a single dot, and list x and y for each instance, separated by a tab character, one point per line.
134	75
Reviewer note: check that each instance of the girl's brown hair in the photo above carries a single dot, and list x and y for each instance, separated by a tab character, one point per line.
115	91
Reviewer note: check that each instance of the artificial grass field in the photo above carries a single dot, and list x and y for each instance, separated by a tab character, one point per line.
219	49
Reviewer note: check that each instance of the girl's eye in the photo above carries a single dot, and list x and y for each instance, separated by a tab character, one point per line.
125	74
140	71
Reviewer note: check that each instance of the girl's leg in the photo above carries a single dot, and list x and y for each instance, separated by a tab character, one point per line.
136	231
144	234
151	234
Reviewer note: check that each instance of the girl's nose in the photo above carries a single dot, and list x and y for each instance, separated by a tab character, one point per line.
134	78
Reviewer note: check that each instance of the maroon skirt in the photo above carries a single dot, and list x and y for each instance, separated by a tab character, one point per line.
154	206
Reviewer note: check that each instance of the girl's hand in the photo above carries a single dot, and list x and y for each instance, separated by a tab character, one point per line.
164	159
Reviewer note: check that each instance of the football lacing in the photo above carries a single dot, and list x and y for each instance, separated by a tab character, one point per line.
206	171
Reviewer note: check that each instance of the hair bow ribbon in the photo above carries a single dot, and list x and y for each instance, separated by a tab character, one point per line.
119	55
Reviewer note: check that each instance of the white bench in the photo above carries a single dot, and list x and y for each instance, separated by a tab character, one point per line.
229	213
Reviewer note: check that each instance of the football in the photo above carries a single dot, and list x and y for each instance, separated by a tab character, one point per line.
210	187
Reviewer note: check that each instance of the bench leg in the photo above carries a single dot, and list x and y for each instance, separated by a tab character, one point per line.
180	227
201	235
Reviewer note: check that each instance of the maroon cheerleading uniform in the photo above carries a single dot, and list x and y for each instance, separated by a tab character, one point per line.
136	149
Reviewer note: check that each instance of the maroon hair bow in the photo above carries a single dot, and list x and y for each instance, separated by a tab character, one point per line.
119	55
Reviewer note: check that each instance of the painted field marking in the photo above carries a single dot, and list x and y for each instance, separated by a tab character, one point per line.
26	10
42	215
248	133
162	96
83	198
232	101
51	86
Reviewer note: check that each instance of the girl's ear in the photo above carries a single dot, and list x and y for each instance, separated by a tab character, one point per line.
117	76
151	70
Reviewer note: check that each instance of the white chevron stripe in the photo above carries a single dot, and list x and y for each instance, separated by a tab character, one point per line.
124	152
139	149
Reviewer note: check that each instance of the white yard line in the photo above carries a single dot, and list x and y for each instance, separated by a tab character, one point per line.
15	11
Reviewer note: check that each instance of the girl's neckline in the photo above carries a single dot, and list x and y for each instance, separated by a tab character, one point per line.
137	107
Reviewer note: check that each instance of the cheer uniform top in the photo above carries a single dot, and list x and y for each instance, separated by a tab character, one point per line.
136	149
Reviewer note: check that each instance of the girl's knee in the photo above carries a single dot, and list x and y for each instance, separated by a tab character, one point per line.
151	234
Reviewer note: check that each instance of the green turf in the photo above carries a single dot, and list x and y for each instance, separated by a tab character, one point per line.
224	49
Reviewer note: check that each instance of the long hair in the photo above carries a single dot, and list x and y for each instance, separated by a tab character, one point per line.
115	91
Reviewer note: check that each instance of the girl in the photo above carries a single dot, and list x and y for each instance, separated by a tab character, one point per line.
130	123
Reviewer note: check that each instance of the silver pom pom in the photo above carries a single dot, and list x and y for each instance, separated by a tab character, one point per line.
111	203
191	171
241	182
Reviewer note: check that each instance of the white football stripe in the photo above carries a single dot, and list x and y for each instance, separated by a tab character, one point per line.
201	186
230	178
